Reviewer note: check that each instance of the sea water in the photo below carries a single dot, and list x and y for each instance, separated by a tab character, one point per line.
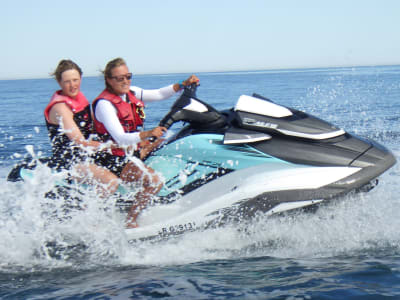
350	249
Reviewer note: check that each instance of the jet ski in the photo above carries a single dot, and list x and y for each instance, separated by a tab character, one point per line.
257	157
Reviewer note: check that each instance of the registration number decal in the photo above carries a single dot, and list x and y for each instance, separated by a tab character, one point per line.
175	229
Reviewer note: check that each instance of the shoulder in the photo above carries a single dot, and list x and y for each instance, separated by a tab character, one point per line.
104	105
60	107
59	110
104	102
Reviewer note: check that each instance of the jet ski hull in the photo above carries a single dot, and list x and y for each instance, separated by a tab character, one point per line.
271	187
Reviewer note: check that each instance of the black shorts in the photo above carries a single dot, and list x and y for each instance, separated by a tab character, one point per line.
65	160
111	162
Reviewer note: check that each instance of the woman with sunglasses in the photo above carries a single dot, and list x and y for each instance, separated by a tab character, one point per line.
118	114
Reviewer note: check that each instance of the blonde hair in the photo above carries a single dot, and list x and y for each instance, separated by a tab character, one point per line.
116	62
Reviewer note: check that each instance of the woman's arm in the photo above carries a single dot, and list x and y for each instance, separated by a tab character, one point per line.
164	92
61	114
107	114
154	95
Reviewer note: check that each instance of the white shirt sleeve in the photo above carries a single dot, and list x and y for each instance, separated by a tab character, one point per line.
154	95
106	113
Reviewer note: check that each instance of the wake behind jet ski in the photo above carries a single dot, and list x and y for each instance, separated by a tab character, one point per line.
257	157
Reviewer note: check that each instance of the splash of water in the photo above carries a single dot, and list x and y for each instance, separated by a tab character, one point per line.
39	232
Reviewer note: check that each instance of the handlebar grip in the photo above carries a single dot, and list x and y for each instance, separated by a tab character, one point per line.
174	114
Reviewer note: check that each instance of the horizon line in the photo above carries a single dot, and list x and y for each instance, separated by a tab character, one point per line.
228	70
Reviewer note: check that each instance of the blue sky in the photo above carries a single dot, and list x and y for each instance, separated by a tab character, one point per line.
167	36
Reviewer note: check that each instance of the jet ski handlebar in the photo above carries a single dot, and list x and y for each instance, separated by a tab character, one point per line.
191	89
184	99
188	108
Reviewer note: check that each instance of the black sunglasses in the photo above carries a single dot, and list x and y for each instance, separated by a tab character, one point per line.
122	77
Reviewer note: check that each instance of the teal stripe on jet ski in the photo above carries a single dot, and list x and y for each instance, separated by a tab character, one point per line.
194	158
27	174
197	156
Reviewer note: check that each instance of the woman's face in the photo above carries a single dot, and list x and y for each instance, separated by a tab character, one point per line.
120	80
70	83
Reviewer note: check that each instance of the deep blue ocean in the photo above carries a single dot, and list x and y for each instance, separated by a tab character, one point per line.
348	250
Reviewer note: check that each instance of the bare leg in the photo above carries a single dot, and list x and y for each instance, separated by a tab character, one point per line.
151	185
105	180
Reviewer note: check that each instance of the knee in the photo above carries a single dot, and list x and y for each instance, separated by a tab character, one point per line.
157	182
152	180
113	185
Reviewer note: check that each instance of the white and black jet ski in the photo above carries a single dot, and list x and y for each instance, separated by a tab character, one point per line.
257	157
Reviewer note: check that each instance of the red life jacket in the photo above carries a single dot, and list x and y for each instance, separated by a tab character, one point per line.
63	149
130	115
76	105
